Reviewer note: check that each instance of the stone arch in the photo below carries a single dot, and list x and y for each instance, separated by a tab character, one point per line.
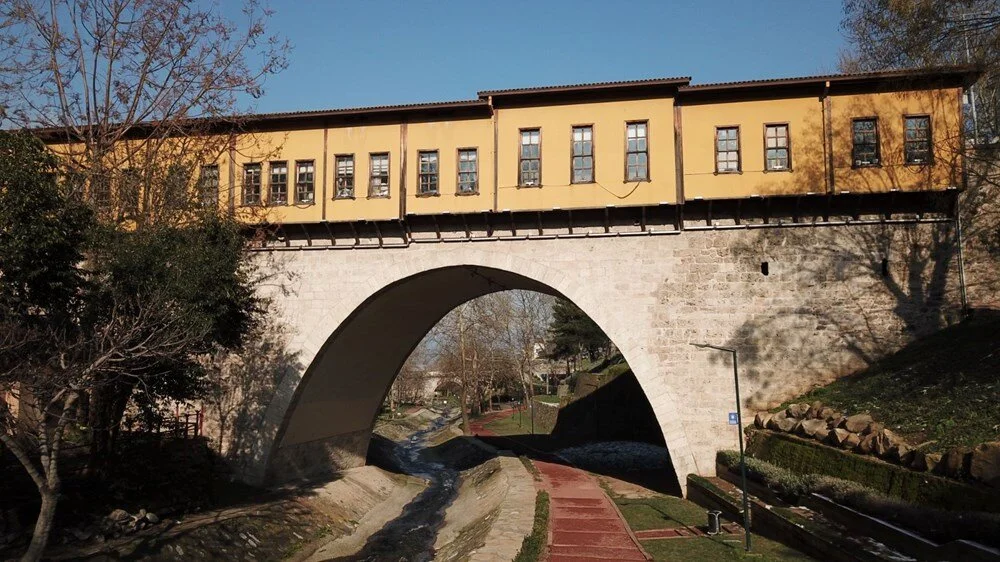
322	414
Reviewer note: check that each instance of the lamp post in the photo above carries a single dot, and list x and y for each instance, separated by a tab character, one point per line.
739	422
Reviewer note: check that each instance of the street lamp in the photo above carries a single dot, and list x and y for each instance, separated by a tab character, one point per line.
739	422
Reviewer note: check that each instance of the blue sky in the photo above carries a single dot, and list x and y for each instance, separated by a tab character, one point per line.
375	52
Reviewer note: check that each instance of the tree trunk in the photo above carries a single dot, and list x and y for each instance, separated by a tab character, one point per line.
464	376
43	525
106	411
465	412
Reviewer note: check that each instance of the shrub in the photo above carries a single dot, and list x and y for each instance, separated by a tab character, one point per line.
787	484
936	524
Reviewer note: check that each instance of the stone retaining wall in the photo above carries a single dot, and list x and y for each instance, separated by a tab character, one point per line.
517	514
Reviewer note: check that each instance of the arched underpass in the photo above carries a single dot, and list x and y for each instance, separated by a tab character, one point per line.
354	316
334	408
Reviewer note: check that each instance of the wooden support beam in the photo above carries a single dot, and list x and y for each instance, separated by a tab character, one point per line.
305	231
354	231
329	232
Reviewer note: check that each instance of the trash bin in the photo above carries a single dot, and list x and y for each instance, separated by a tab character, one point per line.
714	525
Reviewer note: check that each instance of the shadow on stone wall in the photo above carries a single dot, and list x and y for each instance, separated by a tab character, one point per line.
242	386
849	295
617	411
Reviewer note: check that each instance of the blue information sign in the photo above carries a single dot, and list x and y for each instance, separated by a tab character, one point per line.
733	420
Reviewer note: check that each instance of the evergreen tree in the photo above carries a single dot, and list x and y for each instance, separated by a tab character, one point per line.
572	332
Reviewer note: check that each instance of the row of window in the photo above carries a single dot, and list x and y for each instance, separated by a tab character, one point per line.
865	149
344	180
529	165
582	154
777	157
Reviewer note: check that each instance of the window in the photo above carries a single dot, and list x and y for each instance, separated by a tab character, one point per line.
305	174
100	190
175	186
427	178
583	155
251	184
917	146
776	155
378	180
866	149
530	158
345	177
636	152
468	171
278	184
727	150
128	191
208	185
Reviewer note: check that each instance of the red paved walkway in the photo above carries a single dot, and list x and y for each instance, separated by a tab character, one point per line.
583	522
478	425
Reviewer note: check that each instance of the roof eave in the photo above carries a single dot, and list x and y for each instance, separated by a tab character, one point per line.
585	88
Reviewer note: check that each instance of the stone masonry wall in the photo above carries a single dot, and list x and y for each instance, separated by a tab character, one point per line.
827	306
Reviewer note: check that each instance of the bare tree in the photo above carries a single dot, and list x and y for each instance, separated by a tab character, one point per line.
240	384
50	370
486	346
135	94
885	34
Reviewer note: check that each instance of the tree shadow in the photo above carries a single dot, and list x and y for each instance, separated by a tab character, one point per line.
850	294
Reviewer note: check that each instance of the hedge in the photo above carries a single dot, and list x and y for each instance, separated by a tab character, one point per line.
941	525
805	457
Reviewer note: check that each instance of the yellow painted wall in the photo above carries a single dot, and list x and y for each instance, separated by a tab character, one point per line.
361	142
265	148
610	188
804	117
944	108
447	137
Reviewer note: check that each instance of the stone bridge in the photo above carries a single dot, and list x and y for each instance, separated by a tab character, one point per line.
803	302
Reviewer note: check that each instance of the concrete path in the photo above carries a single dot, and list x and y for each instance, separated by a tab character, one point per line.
584	523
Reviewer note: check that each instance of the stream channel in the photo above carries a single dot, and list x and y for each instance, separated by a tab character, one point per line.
411	536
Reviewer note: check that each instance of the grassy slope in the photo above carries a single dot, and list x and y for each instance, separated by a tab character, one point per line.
517	424
943	388
666	512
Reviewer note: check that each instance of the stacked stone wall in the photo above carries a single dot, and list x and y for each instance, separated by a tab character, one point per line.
833	299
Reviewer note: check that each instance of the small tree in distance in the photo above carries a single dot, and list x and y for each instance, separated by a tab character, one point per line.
573	333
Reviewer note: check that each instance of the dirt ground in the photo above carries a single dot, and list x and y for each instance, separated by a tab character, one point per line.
278	527
202	517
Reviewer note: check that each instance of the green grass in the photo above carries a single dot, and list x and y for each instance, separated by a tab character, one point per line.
942	388
660	512
534	544
718	548
666	512
548	398
530	467
518	424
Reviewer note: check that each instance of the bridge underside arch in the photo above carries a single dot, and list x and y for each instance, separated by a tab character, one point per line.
332	414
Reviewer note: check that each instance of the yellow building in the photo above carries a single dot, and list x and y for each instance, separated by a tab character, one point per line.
591	146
